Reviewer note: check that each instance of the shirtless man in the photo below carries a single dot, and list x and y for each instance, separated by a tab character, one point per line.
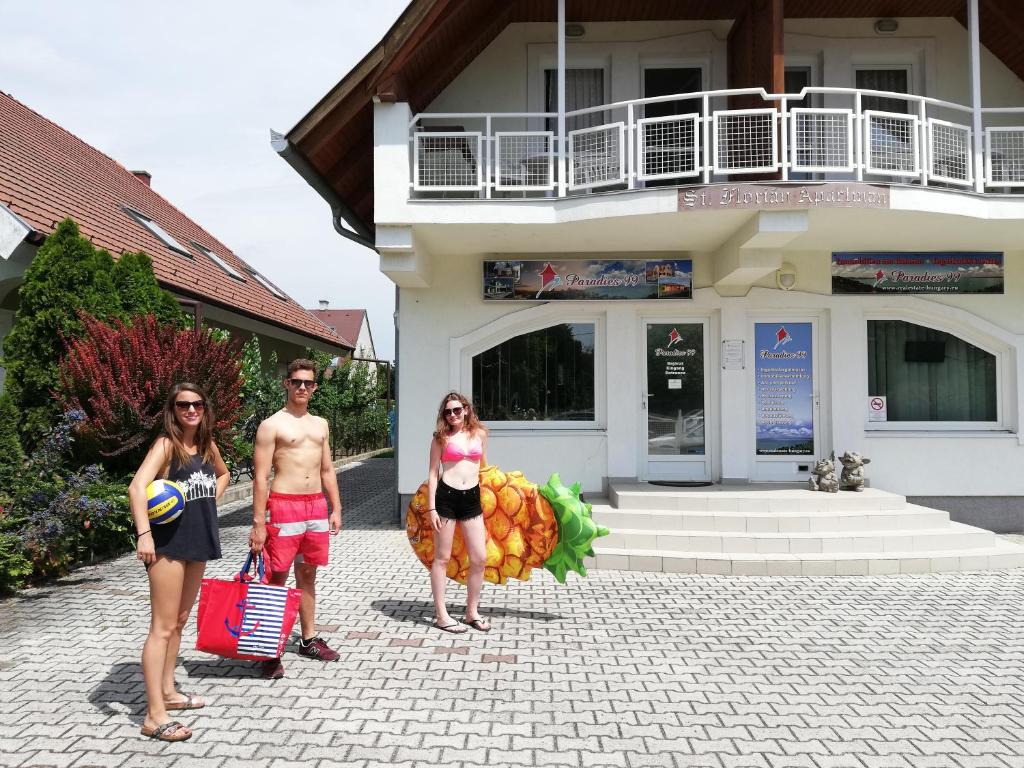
296	444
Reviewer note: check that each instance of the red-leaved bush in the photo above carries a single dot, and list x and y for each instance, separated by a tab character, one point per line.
119	376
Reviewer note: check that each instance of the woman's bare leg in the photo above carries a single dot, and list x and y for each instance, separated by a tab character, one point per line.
475	536
439	571
193	579
166	582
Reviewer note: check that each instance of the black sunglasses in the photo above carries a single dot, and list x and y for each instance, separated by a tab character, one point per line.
456	411
184	405
307	383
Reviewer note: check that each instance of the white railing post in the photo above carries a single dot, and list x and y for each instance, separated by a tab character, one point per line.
631	162
490	159
859	124
973	33
705	119
563	179
784	139
922	132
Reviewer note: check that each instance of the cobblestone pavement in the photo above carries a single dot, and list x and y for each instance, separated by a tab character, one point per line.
621	669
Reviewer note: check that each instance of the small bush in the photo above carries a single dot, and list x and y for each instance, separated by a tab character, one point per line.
118	376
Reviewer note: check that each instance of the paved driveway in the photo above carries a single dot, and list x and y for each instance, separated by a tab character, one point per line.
620	669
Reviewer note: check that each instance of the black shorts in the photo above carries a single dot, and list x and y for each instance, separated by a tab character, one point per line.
453	504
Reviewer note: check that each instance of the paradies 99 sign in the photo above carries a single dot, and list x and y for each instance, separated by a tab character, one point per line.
587	279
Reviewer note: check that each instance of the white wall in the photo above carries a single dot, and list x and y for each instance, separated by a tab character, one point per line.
441	330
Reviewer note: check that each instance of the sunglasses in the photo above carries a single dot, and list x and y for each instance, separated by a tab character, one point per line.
299	383
456	411
184	405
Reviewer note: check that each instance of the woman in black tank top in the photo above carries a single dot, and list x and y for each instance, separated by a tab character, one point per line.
175	553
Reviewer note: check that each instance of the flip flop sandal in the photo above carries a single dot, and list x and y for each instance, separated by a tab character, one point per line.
167	732
450	628
478	624
188	703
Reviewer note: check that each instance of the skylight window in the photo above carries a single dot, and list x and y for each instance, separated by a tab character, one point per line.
268	285
159	232
218	261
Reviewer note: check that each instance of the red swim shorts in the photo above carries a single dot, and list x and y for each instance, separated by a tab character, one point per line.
297	530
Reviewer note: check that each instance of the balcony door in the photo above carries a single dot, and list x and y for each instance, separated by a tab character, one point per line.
665	148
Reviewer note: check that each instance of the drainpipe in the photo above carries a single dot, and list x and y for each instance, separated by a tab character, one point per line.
341	214
974	35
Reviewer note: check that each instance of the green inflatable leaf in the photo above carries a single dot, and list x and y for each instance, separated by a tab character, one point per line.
576	528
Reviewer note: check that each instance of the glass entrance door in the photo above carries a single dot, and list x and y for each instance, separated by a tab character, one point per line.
676	401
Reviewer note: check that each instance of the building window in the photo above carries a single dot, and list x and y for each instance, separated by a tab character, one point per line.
218	261
268	285
928	375
583	88
544	375
896	80
158	232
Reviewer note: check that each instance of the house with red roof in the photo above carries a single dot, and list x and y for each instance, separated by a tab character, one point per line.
352	325
48	174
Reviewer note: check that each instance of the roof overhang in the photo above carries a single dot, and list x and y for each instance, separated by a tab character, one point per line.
13	231
434	40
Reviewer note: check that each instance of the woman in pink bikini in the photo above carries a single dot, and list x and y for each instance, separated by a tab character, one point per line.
453	490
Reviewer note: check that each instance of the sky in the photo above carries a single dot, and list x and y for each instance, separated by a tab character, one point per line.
189	91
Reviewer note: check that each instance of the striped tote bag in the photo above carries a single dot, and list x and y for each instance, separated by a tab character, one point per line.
245	617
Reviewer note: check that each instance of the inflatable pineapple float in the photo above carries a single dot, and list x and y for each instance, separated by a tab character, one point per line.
527	527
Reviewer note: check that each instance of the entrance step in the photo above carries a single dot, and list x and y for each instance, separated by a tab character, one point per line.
908	516
785	530
998	556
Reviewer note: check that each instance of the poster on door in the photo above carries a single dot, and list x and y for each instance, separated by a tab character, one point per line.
783	383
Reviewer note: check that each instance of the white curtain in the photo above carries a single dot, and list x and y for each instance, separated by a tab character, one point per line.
583	88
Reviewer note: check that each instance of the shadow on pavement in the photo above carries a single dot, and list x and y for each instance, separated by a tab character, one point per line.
422	611
215	666
121	692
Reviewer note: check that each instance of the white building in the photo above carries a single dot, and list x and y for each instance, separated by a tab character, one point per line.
785	228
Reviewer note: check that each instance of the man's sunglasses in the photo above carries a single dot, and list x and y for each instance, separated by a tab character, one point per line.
456	411
298	383
184	405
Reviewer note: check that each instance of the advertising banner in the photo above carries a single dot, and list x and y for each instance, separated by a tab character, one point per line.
588	279
783	382
911	272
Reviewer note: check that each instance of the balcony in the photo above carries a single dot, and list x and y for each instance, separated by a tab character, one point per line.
819	134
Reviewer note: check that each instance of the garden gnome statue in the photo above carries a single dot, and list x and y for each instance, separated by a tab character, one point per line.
853	471
823	478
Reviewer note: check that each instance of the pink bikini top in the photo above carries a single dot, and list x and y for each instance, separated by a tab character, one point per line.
455	453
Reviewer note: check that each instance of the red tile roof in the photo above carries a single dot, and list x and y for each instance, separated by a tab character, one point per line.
48	174
346	322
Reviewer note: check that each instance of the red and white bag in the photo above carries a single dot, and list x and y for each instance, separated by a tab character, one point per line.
246	617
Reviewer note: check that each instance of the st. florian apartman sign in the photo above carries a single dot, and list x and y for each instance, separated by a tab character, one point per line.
783	197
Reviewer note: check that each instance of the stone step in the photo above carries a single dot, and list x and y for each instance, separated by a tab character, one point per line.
908	517
946	537
755	498
998	556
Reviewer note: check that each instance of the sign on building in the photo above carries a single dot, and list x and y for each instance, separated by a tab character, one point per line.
912	272
783	382
588	279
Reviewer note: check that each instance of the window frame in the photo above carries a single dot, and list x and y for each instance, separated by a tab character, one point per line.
218	261
885	66
481	345
272	289
992	347
158	232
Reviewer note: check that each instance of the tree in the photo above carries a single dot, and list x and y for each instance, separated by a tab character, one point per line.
67	276
11	454
139	292
119	376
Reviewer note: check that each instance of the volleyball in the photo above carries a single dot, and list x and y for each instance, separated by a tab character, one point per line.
165	500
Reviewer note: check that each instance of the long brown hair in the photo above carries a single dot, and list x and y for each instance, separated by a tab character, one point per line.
204	432
471	423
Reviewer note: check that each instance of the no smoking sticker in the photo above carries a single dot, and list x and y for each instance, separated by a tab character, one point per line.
877	410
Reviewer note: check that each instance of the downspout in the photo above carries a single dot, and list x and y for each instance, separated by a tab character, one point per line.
341	214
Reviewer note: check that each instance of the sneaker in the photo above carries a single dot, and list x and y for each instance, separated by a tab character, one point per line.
317	649
273	669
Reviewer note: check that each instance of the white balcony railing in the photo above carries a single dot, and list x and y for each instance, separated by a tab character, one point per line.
819	134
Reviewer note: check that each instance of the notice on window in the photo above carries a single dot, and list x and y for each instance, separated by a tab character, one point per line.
783	380
877	408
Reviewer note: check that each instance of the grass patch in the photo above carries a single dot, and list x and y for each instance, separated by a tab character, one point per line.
388	454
